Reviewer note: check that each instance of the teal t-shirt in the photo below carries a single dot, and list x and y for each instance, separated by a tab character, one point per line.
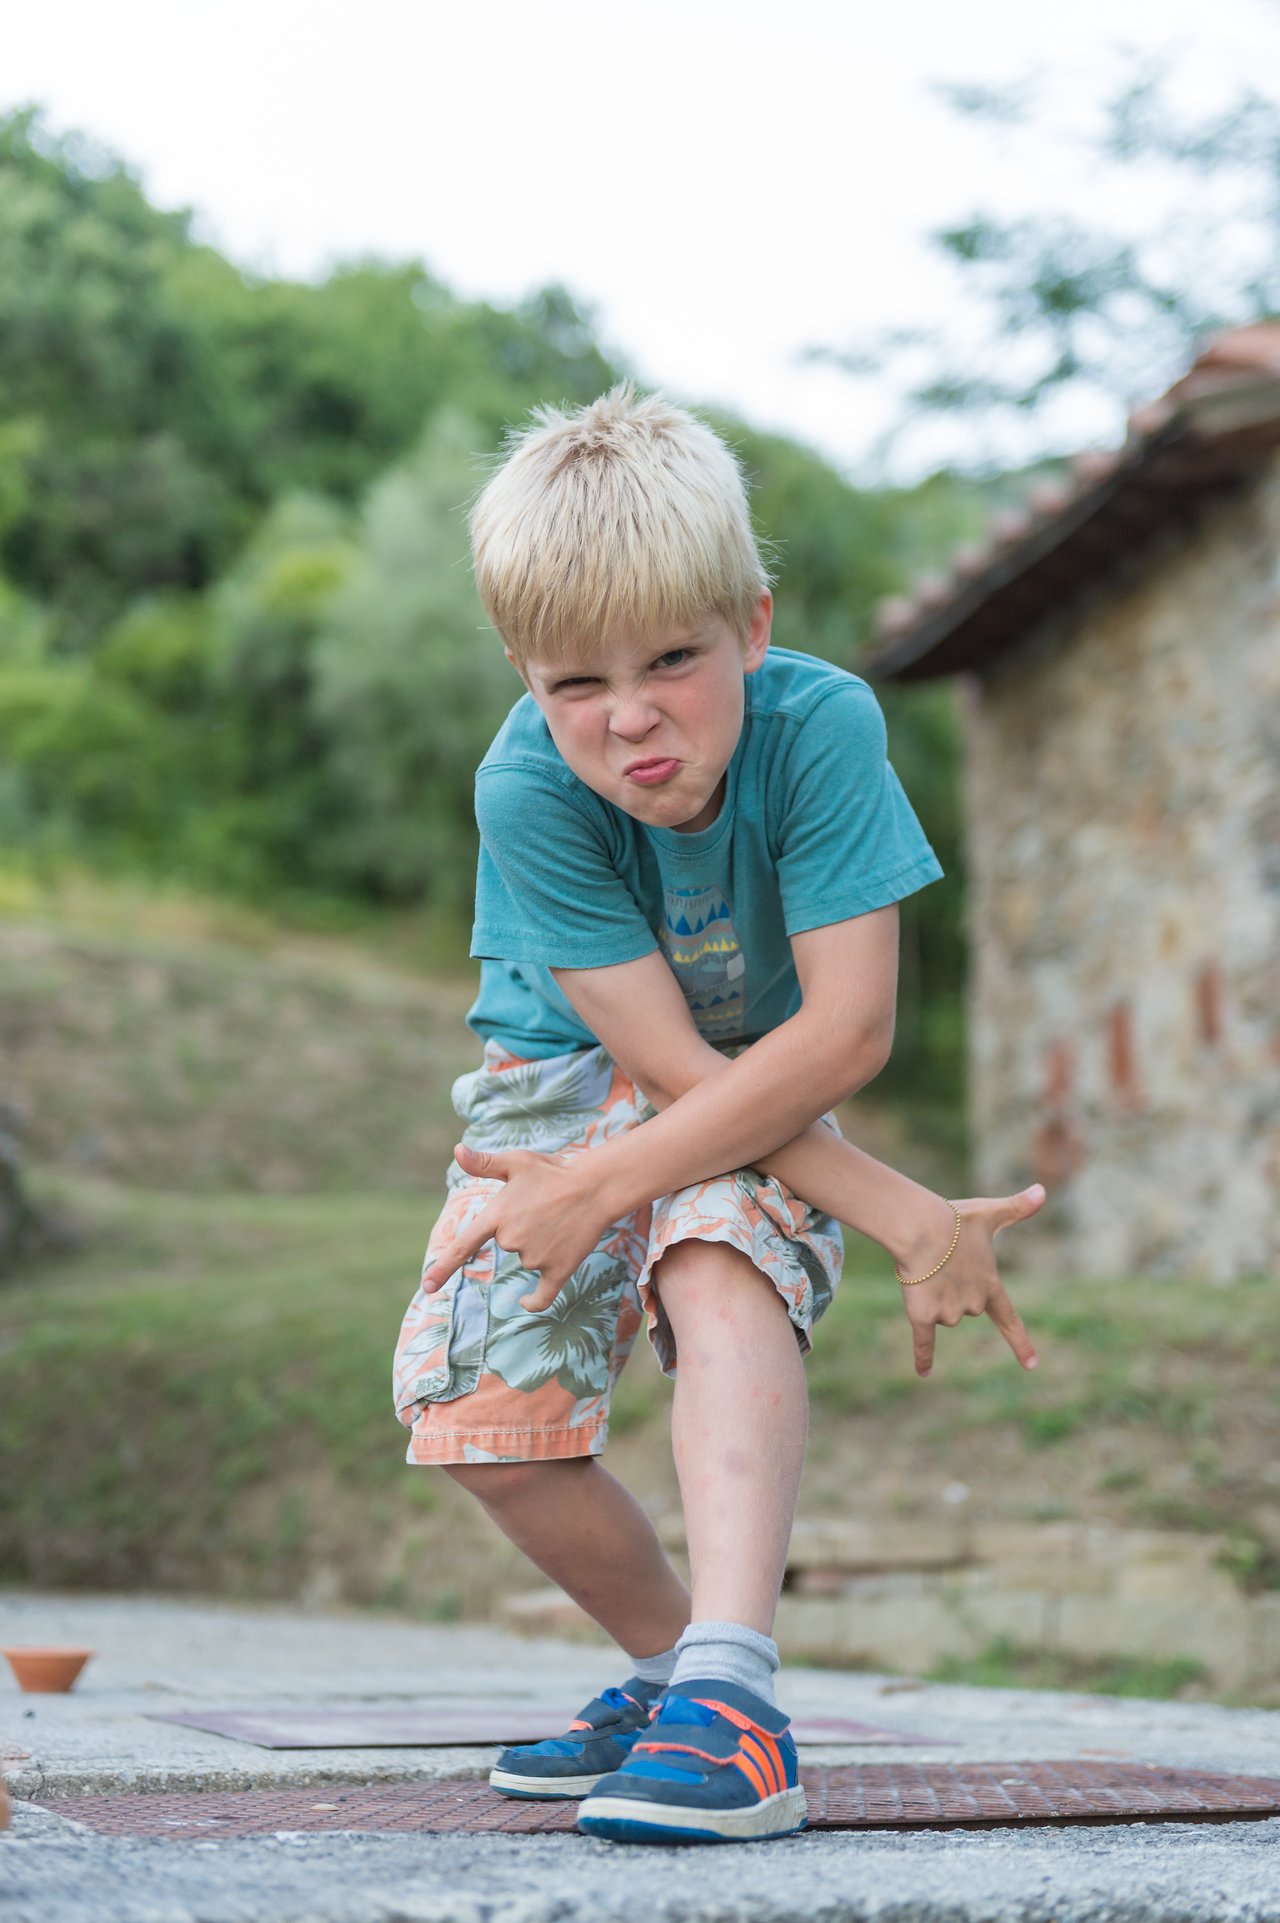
814	828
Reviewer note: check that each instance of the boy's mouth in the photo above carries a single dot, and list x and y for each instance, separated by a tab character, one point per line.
650	773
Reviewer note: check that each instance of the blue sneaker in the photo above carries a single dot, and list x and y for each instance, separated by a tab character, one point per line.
599	1740
717	1764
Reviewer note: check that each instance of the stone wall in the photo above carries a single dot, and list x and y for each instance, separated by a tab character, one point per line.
1089	1591
903	1596
1123	800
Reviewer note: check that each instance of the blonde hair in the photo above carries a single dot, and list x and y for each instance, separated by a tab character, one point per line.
627	517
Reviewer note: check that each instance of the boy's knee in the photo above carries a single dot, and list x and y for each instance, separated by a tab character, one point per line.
705	1264
704	1286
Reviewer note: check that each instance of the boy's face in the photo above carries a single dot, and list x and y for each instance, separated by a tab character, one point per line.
652	726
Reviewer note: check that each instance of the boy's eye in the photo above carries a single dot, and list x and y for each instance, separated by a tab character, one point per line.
673	658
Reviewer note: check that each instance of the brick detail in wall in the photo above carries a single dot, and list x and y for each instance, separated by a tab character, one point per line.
1060	1073
1058	1147
1209	1003
1121	1061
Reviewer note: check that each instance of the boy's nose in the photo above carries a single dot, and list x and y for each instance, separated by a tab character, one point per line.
632	720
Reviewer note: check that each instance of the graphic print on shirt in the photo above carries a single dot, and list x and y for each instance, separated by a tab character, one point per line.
701	943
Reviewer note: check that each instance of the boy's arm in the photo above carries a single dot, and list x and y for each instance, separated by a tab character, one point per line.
552	1209
837	1041
723	1116
637	1010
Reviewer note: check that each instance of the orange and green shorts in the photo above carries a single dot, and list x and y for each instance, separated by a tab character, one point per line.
479	1379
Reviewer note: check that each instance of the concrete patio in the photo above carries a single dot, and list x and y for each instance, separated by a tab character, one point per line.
167	1655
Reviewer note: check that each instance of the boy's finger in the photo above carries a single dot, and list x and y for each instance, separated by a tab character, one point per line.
450	1259
439	1271
1013	1329
487	1164
1016	1208
549	1287
924	1335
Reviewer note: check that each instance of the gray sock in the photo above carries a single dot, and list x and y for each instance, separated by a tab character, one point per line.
655	1669
729	1653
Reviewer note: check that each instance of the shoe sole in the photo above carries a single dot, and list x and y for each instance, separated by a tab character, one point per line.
628	1819
549	1789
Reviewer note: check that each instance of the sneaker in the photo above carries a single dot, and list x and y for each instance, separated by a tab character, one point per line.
717	1764
598	1741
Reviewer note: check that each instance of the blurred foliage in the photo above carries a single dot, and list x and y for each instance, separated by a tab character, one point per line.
154	399
410	684
239	643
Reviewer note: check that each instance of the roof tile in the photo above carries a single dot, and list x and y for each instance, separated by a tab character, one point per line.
1245	358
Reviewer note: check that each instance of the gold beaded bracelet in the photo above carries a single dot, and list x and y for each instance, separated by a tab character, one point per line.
910	1284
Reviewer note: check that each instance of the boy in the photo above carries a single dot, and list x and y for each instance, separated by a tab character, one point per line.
692	848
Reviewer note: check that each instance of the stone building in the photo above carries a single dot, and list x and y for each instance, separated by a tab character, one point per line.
1117	653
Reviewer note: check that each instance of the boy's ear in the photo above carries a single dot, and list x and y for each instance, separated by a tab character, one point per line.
515	664
758	633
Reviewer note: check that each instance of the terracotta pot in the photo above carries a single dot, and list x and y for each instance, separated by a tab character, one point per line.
46	1669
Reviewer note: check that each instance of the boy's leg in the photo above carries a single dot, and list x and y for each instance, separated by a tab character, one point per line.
738	1429
718	1763
580	1527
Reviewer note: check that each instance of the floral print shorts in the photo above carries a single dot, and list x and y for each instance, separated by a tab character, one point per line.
479	1379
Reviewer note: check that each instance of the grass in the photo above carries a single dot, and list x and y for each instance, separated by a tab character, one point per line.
204	1382
1099	1366
1004	1664
194	1350
181	1064
134	908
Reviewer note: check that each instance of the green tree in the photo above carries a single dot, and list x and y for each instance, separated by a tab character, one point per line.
411	683
265	622
104	490
828	542
154	400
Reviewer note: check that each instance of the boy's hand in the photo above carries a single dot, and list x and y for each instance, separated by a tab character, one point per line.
547	1214
968	1283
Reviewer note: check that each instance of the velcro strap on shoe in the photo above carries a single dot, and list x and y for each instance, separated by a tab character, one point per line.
598	1714
718	1740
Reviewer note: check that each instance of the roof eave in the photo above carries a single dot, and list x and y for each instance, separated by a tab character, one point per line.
1212	439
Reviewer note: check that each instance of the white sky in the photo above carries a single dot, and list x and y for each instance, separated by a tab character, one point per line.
726	181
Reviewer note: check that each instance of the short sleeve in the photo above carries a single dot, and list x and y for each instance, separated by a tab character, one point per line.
848	838
547	890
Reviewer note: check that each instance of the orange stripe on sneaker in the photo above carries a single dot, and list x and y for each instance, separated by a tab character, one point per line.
755	1749
775	1752
752	1773
767	1742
